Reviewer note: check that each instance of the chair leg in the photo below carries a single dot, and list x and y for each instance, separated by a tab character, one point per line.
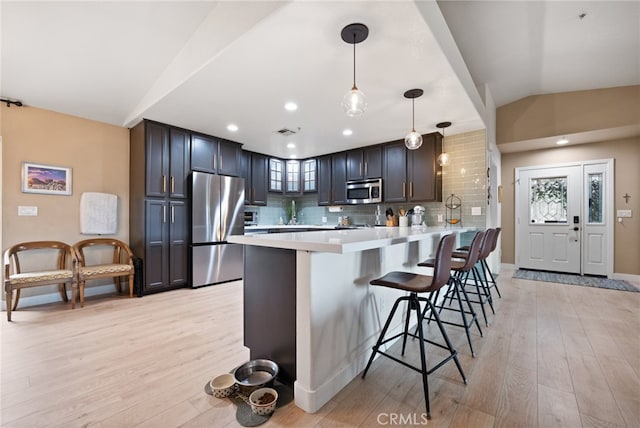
485	265
423	357
81	288
8	301
62	289
452	350
484	285
131	285
476	281
382	333
405	332
15	303
473	312
464	319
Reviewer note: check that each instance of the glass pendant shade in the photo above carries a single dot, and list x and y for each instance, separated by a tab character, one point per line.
354	102
413	140
443	159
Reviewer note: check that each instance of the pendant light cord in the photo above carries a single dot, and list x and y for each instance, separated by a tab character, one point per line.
354	61
413	115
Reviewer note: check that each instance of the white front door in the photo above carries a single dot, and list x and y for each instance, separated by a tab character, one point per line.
549	204
563	218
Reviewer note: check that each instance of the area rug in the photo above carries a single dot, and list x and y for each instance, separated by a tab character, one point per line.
565	278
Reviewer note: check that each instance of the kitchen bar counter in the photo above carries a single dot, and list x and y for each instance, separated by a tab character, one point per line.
308	304
339	240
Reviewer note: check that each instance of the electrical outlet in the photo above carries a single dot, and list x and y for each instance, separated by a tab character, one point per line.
27	211
476	211
440	218
324	219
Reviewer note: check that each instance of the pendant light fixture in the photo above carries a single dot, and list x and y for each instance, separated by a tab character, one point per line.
354	101
443	159
413	140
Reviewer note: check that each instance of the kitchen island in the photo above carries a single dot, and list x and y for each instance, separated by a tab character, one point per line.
308	304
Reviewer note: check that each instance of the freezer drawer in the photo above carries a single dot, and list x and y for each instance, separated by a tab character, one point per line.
216	263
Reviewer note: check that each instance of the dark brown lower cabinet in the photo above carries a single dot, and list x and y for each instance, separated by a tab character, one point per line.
270	307
166	248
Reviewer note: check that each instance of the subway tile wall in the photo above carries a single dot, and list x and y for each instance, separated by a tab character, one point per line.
466	177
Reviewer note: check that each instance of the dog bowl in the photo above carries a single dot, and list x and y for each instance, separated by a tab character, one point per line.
263	401
255	374
223	386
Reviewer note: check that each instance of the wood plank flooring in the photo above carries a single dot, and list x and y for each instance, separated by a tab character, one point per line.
554	355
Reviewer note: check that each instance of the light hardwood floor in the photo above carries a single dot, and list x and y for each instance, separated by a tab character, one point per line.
553	355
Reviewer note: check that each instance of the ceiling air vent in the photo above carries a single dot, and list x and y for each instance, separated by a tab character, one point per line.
285	132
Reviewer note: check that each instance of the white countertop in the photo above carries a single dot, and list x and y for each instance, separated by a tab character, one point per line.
342	241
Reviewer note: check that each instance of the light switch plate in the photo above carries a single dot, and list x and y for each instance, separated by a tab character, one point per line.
27	211
476	211
624	213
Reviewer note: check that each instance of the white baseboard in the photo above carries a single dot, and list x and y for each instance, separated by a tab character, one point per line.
55	297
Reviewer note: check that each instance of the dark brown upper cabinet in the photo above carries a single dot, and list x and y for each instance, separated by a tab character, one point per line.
254	167
214	155
166	159
324	180
364	163
412	175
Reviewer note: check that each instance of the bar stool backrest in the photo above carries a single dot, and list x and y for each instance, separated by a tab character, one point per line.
474	251
487	242
495	239
442	262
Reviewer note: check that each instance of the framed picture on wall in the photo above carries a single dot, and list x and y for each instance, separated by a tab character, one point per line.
46	179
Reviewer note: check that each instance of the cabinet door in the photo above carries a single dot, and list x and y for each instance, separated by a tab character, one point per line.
228	158
245	172
324	180
394	172
309	176
372	162
339	178
203	153
156	245
259	176
178	243
292	181
179	165
355	164
424	173
276	175
157	159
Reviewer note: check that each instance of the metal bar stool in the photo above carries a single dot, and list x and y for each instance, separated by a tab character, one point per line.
483	292
458	268
485	265
414	284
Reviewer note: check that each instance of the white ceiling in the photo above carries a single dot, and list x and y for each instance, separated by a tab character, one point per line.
203	65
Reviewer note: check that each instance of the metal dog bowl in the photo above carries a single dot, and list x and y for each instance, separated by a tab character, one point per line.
255	374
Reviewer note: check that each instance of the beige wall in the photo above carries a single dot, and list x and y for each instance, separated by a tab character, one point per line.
565	113
626	155
98	154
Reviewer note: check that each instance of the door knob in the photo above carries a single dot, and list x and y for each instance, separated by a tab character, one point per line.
576	228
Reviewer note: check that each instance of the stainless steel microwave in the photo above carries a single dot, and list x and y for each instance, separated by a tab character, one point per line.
364	191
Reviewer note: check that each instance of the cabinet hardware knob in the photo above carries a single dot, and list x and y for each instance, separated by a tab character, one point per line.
164	214
173	185
173	214
404	185
164	184
411	189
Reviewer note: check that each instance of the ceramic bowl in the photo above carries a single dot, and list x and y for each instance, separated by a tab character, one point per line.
263	401
255	374
223	386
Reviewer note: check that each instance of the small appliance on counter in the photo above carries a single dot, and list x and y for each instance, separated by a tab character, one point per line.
250	218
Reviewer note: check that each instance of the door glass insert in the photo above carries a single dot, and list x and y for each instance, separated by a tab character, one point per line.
293	176
548	200
595	197
309	177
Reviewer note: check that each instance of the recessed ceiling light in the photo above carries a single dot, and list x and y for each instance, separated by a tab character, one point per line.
293	156
562	141
291	106
347	132
291	146
232	127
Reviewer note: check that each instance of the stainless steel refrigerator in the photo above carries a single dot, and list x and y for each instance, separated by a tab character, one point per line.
217	211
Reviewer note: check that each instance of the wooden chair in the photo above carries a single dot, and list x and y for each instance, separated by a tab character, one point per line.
121	265
16	278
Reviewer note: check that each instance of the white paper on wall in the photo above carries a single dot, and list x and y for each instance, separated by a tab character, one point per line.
98	213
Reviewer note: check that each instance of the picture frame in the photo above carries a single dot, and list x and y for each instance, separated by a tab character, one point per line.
46	179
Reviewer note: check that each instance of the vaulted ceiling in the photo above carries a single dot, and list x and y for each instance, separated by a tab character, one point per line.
204	65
